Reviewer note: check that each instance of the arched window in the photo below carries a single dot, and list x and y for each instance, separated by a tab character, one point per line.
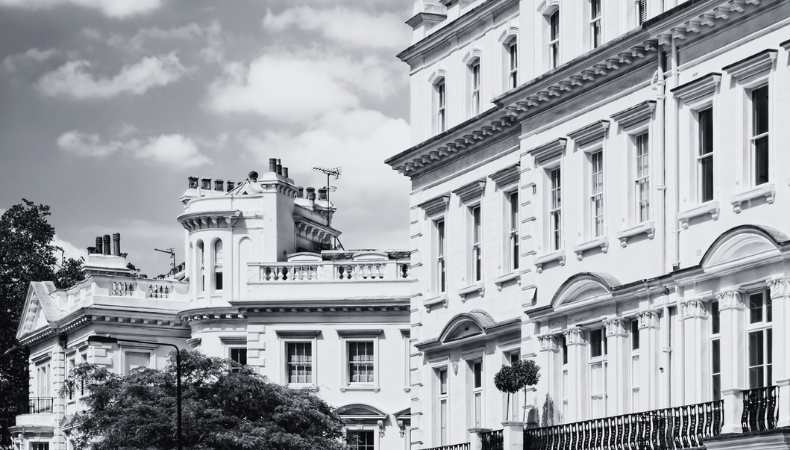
201	266
218	262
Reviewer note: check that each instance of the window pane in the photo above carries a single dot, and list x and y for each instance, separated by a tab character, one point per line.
756	308
705	123
715	318
595	343
477	369
564	347
760	110
761	160
756	356
360	361
716	356
634	335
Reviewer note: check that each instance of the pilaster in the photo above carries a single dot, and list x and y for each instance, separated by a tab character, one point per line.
58	367
256	347
731	311
550	378
695	330
780	302
649	348
577	393
616	385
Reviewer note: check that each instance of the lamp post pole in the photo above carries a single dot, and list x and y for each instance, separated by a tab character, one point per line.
112	340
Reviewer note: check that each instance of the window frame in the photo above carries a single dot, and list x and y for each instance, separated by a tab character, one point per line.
475	261
553	21
640	10
596	194
125	350
554	224
200	256
701	157
600	361
715	347
346	366
641	176
474	74
287	364
361	429
752	138
476	395
439	105
442	403
511	51
218	259
511	230
440	251
595	23
763	327
237	348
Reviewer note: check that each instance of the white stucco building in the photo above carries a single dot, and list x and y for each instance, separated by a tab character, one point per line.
263	285
598	186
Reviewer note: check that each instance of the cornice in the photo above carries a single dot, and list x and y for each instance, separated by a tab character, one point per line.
701	87
209	219
548	150
507	176
314	231
752	66
590	134
635	115
471	191
436	206
418	19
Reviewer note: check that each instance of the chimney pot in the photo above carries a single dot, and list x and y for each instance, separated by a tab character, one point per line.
285	172
273	165
192	183
253	175
310	193
231	185
322	194
300	192
116	244
279	168
205	183
106	244
91	250
99	249
219	185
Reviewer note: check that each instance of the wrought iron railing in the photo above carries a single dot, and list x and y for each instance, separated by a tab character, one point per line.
671	428
462	446
760	409
39	405
491	440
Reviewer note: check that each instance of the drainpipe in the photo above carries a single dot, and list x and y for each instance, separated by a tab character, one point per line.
661	119
675	144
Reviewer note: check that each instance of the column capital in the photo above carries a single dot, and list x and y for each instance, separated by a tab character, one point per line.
547	343
615	326
648	319
693	308
729	299
574	336
780	287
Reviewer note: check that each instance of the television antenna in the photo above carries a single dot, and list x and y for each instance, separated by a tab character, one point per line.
329	172
172	252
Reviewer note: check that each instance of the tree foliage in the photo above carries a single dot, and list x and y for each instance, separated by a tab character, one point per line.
224	406
70	273
515	377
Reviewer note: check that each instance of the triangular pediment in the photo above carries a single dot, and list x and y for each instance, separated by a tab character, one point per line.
34	315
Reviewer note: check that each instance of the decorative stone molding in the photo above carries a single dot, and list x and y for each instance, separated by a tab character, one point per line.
435	302
615	326
708	208
437	75
506	177
436	206
548	343
502	280
699	88
548	151
752	67
648	319
471	191
574	336
729	299
780	288
600	243
590	134
646	228
474	288
472	56
635	115
547	7
766	191
209	220
693	308
557	256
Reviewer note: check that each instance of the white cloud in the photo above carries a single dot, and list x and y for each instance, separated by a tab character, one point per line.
74	80
346	26
173	150
294	88
69	250
12	62
117	9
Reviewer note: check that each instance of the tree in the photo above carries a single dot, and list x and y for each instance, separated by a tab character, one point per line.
224	406
515	377
26	254
70	273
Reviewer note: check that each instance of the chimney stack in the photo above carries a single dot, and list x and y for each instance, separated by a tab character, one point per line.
99	250
322	194
192	183
273	165
231	185
205	184
253	176
285	172
106	244
279	167
300	192
310	193
116	244
219	185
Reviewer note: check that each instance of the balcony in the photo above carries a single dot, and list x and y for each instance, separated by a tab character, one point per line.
760	409
40	405
39	416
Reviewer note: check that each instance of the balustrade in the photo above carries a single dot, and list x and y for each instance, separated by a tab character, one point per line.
671	428
462	446
332	271
149	289
491	440
40	405
760	409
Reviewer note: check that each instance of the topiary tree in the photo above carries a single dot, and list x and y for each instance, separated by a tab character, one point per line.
516	377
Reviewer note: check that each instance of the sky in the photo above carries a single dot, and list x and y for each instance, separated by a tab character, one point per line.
107	106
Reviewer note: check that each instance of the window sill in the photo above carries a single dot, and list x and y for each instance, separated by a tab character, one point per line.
556	256
598	243
303	387
502	280
360	388
475	288
710	207
433	302
647	228
765	191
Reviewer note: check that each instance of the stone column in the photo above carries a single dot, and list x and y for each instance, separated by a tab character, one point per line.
696	355
649	347
780	299
512	436
550	379
617	360
577	368
731	312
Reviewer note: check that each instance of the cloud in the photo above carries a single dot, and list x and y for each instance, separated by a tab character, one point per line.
293	88
12	62
69	250
74	80
173	150
346	26
116	9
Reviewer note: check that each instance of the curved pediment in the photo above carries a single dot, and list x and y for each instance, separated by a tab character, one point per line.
360	411
464	325
739	245
583	287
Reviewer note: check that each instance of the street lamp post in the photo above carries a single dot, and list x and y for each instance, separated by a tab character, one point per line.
112	340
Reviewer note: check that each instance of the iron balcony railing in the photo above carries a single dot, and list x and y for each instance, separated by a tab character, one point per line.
671	428
491	440
40	405
760	409
462	446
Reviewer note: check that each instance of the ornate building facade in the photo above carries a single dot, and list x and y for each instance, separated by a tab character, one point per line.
597	186
262	284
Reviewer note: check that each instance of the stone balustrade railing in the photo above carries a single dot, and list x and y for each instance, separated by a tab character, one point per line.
323	271
141	288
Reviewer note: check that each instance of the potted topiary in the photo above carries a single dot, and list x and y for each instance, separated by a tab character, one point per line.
515	377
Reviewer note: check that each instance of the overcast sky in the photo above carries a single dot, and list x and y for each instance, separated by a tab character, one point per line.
106	106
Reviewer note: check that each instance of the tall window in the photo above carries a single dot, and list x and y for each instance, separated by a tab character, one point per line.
441	270
513	229
300	362
759	137
474	94
360	440
715	351
634	369
760	340
42	380
476	369
595	23
512	53
440	98
477	253
642	181
70	365
360	362
596	192
441	401
555	210
705	157
598	351
201	264
219	259
554	39
239	355
641	11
